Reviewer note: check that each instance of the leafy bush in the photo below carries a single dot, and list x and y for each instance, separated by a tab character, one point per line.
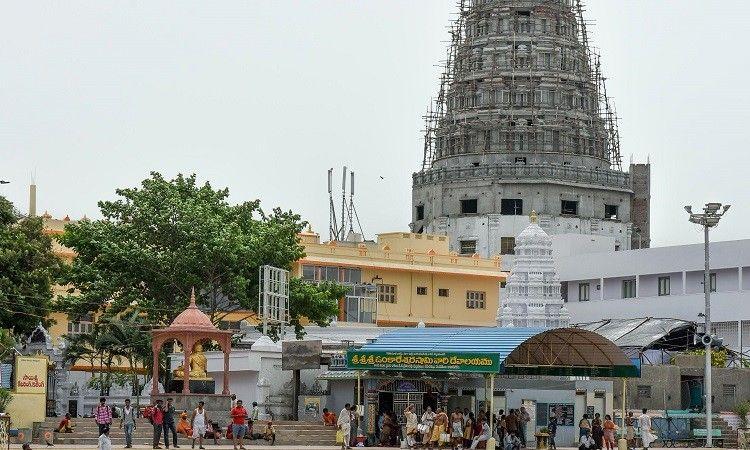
5	398
742	409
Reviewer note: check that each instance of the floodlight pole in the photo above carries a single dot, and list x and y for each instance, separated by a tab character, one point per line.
710	218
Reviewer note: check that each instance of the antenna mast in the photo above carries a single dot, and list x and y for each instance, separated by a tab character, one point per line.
332	222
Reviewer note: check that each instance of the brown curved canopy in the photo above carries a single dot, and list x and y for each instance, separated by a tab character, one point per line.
569	351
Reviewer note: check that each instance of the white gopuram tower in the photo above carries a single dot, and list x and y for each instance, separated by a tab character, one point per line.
532	293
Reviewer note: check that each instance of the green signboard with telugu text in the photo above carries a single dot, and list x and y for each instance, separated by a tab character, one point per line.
423	361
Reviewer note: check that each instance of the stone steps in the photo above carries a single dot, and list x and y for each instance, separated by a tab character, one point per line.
287	433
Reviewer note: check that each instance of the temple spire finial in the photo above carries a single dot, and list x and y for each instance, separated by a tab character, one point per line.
533	216
192	298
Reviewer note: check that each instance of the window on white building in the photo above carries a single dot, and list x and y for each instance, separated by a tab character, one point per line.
469	206
421	290
468	247
511	207
663	286
475	299
507	245
584	292
628	288
569	207
610	212
443	293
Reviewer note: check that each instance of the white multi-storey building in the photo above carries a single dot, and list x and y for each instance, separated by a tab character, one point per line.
662	282
532	294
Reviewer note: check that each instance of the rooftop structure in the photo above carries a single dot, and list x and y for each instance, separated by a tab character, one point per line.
404	279
532	293
522	121
662	282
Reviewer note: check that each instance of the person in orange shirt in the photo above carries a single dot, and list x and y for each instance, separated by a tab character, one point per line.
609	432
329	418
239	428
184	426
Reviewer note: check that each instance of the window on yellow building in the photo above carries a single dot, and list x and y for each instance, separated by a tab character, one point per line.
443	293
421	290
387	293
475	299
81	327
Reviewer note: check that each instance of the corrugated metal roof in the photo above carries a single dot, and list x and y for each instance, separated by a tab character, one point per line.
540	351
495	340
640	333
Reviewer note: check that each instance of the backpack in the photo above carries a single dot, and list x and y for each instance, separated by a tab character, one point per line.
148	413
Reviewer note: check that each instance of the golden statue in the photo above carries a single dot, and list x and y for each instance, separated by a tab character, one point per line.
198	365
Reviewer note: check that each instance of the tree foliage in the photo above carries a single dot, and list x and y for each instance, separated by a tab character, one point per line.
158	241
115	340
28	268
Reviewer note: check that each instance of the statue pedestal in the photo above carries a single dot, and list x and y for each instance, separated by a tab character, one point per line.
217	405
196	386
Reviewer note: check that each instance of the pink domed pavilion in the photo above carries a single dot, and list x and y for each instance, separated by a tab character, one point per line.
190	327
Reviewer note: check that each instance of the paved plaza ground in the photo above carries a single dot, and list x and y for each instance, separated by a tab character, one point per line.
227	447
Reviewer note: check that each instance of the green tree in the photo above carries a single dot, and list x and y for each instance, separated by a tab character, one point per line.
28	269
158	241
114	340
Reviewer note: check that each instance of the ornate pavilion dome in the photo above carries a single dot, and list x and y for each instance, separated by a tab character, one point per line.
192	318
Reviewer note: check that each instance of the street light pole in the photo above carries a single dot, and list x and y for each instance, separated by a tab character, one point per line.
709	218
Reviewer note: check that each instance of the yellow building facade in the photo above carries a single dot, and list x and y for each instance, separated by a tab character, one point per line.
403	279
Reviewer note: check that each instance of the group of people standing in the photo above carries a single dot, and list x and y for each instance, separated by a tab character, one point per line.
595	434
162	417
458	429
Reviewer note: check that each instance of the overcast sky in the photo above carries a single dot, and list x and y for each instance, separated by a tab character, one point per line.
264	97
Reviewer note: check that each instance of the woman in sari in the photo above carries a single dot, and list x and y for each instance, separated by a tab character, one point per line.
386	430
469	429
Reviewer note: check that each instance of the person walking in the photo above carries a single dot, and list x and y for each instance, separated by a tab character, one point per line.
523	421
157	420
609	432
254	417
630	429
411	426
344	424
644	423
169	424
468	428
239	418
427	422
103	415
199	421
387	430
511	422
127	423
456	429
440	428
552	427
104	442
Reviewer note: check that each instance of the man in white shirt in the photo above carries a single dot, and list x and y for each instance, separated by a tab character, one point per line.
483	436
345	424
644	423
104	442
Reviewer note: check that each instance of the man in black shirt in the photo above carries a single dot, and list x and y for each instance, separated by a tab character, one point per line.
169	413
